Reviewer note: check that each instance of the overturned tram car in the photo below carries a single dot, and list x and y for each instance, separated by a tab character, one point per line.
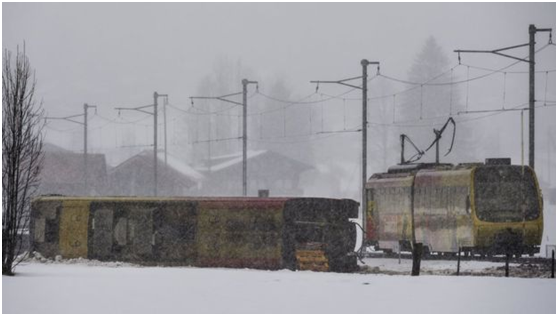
488	209
261	233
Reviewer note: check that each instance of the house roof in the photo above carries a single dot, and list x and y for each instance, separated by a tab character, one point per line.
67	167
173	162
49	147
233	159
182	167
226	161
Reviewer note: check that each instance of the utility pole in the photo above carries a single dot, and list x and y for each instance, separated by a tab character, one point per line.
155	128
244	104
165	103
245	83
364	63
85	158
532	31
84	124
154	113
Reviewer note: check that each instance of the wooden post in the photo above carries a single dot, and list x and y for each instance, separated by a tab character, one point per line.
417	254
553	265
458	260
508	264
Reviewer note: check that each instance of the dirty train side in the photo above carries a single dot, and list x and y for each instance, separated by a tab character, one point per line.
487	209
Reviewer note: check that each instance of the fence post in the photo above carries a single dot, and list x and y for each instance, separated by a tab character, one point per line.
458	260
417	254
553	265
508	264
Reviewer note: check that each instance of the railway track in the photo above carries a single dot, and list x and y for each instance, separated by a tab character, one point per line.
495	266
434	256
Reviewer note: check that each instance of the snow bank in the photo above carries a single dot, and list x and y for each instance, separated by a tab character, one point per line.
82	288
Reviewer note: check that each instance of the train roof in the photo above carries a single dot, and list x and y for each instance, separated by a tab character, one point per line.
211	200
406	169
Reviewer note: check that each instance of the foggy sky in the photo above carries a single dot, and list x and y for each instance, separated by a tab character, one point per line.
118	54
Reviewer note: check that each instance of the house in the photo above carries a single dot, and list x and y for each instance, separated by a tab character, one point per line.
266	170
63	173
135	176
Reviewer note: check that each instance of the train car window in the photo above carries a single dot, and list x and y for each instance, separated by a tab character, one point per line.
39	230
505	193
451	199
51	230
306	233
267	224
102	228
236	224
120	231
445	193
268	240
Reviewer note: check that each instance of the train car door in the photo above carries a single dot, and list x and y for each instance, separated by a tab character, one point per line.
102	231
73	229
121	230
175	232
140	232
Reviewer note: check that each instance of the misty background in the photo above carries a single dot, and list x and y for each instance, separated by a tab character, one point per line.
117	55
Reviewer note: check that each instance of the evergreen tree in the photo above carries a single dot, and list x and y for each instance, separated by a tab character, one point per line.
430	102
215	119
278	125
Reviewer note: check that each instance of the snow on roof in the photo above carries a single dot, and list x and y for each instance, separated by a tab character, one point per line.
234	159
50	147
181	167
173	162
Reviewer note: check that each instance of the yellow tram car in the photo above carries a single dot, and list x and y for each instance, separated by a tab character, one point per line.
488	209
260	233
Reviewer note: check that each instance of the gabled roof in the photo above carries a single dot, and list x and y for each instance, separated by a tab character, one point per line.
227	161
233	159
49	147
181	167
67	167
173	162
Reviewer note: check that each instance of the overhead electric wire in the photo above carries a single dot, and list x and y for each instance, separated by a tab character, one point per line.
509	72
73	129
122	121
290	102
462	81
206	112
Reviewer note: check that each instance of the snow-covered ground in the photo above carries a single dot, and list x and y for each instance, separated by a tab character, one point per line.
82	286
91	287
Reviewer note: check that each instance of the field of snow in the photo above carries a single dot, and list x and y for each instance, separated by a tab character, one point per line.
89	287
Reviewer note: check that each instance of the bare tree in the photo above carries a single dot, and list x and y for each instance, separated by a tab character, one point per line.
22	143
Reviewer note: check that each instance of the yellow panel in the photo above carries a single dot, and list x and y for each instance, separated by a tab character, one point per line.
231	234
74	222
